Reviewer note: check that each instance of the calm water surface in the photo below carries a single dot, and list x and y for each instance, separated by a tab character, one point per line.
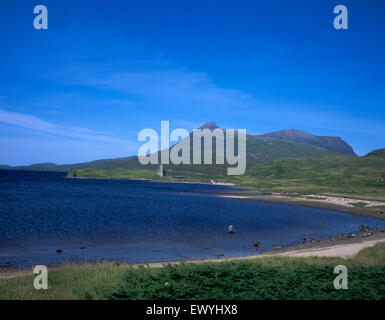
140	221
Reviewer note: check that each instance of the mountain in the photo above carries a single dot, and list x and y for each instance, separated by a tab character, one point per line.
259	149
289	143
376	153
334	144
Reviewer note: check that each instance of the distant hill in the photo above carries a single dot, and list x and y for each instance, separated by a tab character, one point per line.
334	144
102	164
376	153
44	165
260	149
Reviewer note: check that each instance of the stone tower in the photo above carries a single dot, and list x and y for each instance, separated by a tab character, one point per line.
161	172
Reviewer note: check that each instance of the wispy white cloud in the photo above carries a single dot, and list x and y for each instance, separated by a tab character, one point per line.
59	102
178	88
34	123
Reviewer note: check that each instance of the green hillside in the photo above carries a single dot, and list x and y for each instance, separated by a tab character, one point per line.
261	150
357	177
376	153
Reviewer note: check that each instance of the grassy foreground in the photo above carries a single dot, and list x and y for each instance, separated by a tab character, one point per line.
260	278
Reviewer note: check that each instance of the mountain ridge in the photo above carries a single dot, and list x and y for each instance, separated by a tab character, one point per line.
331	143
288	143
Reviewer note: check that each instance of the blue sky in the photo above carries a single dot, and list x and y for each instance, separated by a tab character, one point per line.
104	70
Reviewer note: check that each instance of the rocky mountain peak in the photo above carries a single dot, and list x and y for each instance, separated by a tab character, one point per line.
210	126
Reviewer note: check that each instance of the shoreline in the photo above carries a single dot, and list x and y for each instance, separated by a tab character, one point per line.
318	203
344	247
226	184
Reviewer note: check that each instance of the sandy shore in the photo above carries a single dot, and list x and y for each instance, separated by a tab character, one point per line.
343	250
367	208
321	249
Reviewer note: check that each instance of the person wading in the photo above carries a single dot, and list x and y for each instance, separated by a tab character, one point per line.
231	228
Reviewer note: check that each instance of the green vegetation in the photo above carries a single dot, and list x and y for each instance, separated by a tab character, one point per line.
139	174
358	177
115	174
72	282
376	153
260	278
262	150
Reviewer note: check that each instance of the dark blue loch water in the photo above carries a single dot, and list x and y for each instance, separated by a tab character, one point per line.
141	221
